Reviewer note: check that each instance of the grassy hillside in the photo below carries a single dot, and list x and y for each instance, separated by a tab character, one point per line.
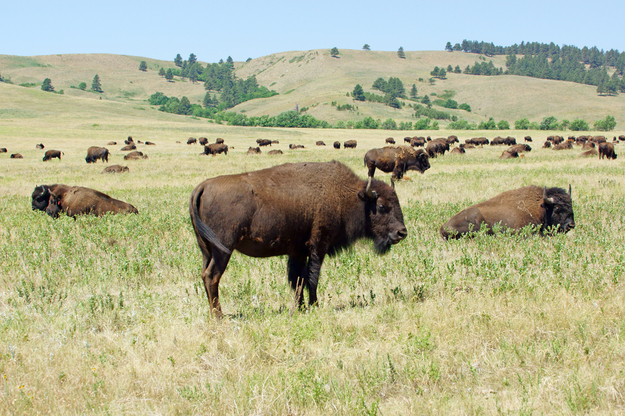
314	79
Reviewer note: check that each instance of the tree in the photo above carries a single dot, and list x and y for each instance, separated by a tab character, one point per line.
82	86
178	61
184	107
579	125
413	91
47	85
169	75
503	125
549	123
400	53
96	86
358	94
161	72
334	52
426	100
522	124
448	47
143	66
192	59
208	101
605	125
366	47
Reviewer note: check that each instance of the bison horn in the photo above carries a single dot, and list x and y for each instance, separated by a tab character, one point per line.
546	198
569	189
370	192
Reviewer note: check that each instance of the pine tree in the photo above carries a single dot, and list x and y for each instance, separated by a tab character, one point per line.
47	85
413	91
178	60
366	47
334	52
208	101
96	86
169	75
358	94
161	72
400	53
143	66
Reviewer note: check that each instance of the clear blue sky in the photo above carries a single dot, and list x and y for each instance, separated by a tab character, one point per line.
244	29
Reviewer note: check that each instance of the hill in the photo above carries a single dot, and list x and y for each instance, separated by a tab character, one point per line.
314	80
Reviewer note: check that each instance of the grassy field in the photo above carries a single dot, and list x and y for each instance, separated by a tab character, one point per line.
109	316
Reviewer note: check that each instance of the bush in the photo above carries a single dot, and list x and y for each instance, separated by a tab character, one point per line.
579	125
503	125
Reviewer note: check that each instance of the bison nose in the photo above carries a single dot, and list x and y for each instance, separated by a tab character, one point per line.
399	235
570	226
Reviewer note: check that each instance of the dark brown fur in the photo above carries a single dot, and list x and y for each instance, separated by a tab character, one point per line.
76	200
396	159
94	153
191	140
135	155
515	209
215	149
350	144
16	156
607	150
116	169
51	154
284	210
253	151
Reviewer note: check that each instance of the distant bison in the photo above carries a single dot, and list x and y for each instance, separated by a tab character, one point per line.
111	144
203	141
350	144
509	153
528	139
477	141
3	150
76	200
296	146
135	155
215	149
219	140
320	143
51	154
548	209
458	150
16	156
547	145
129	147
337	145
589	152
283	210
253	151
389	140
148	143
191	140
521	147
396	159
418	141
263	142
94	153
563	146
116	169
607	150
129	140
437	147
39	146
275	152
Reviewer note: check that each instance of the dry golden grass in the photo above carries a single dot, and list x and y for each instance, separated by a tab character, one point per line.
108	315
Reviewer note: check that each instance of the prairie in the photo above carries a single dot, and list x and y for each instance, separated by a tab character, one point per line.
109	316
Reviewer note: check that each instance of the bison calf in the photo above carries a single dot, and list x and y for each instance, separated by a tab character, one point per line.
51	154
283	210
548	209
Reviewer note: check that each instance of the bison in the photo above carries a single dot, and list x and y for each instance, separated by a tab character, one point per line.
116	169
418	142
320	143
129	140
547	144
296	146
350	144
191	140
563	146
76	200
39	146
263	142
390	140
528	138
437	146
3	150
254	151
94	153
509	153
111	144
458	150
16	156
203	141
337	145
148	143
547	209
396	159
607	150
135	155
589	152
219	140
215	149
477	141
129	147
283	210
275	152
51	154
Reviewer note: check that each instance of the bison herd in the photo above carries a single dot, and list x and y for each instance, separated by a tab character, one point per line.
307	211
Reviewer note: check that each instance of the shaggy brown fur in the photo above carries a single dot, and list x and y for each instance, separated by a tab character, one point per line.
94	153
396	159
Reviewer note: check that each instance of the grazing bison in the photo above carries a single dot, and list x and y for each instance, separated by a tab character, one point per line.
607	150
215	149
39	146
350	144
477	141
3	150
17	156
548	209
50	154
437	147
116	169
191	140
296	146
509	141
337	145
253	151
555	139
275	152
396	159
263	142
203	141
320	143
94	153
76	200
135	155
390	140
547	144
528	139
219	140
283	211
418	142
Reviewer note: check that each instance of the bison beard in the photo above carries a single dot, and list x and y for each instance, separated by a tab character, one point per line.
548	209
304	210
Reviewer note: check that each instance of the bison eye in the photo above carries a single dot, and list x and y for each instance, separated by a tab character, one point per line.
383	209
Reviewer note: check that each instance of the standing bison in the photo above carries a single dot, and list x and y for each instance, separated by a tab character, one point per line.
350	144
607	150
94	153
51	154
215	149
548	209
396	159
337	145
302	210
76	200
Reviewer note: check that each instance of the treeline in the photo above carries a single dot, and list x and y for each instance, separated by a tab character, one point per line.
550	61
548	123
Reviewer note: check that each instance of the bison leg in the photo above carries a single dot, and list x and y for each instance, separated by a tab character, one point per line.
211	275
297	277
312	271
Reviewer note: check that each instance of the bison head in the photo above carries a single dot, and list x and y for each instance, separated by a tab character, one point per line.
558	210
54	207
40	198
384	220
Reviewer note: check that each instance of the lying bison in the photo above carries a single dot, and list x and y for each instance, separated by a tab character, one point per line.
39	146
607	150
350	144
16	156
129	147
254	151
296	146
116	169
3	150
51	154
283	211
94	153
135	155
337	145
320	143
275	152
548	209
396	159
76	200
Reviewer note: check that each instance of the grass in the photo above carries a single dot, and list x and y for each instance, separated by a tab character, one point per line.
108	315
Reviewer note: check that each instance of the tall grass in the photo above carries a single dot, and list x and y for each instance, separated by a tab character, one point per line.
108	315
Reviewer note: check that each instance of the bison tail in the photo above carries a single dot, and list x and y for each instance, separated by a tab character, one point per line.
201	227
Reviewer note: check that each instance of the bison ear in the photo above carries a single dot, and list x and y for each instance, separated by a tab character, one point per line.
548	201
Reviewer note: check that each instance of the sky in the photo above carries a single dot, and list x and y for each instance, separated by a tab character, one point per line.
244	29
